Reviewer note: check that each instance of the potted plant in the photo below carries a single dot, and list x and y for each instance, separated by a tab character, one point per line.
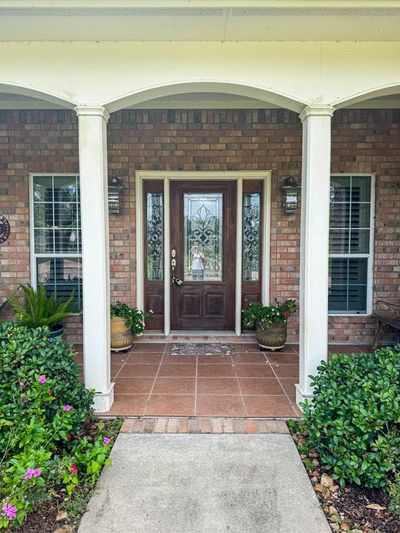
270	322
126	323
37	309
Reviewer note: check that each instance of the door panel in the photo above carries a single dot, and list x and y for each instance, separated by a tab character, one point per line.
203	235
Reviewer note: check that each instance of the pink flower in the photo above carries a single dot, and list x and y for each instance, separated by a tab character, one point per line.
73	469
106	441
42	379
67	407
37	472
286	314
29	473
10	511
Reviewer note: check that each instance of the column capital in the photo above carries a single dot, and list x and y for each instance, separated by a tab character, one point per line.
316	111
92	111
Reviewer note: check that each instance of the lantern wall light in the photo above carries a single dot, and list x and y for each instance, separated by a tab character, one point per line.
114	194
290	194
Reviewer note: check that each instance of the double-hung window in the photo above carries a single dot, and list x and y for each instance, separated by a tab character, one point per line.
350	244
56	235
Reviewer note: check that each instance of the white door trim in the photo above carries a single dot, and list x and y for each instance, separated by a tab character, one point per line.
167	177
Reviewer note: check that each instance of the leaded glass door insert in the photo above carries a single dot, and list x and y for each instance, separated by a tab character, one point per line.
203	222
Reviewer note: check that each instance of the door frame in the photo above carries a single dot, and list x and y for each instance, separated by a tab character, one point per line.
238	177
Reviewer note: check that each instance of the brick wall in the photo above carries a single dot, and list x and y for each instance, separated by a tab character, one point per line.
362	141
369	141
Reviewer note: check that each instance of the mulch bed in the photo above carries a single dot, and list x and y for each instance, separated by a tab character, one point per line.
43	520
354	509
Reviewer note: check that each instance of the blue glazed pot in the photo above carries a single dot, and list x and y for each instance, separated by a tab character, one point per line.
56	331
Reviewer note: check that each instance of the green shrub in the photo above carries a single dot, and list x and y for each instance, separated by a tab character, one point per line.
43	408
353	420
26	355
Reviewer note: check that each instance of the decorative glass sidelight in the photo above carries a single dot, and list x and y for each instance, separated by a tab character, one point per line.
155	236
251	236
203	236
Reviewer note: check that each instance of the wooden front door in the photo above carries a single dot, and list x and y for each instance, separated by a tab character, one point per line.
203	251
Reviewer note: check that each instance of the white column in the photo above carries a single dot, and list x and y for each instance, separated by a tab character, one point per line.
95	256
314	244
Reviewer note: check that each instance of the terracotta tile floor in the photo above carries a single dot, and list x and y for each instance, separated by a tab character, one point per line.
149	381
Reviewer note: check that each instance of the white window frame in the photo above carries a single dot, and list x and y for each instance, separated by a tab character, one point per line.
369	256
33	254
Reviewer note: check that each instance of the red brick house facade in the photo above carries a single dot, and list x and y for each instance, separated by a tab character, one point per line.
178	98
363	141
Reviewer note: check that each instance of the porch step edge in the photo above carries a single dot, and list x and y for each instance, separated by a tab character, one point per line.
204	425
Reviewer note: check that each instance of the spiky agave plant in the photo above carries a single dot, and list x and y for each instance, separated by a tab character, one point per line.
38	309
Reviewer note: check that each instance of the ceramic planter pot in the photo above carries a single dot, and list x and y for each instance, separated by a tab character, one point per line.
56	331
273	338
121	335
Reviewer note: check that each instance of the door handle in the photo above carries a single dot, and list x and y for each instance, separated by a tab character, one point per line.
173	260
175	280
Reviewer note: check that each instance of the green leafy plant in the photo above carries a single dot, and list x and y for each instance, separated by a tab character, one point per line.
262	316
38	309
49	438
353	420
134	318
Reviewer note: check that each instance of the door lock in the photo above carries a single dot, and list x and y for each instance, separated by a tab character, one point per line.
177	281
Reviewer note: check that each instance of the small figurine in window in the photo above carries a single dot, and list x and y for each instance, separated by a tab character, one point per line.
198	263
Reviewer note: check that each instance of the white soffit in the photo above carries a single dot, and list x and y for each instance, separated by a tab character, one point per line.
97	21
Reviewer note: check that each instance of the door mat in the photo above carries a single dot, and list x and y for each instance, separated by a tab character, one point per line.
198	348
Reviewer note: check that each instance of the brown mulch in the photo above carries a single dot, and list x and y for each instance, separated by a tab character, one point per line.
352	508
43	520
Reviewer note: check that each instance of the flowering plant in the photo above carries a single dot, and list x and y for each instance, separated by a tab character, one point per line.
263	316
133	318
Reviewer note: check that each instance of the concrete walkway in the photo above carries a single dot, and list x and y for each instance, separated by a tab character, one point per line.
204	484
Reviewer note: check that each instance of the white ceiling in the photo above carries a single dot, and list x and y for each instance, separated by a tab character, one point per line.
130	21
193	101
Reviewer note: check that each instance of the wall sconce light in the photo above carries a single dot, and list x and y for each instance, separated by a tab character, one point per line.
114	194
290	194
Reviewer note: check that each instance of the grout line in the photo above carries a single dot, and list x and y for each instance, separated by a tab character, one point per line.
117	374
287	396
154	382
195	386
240	389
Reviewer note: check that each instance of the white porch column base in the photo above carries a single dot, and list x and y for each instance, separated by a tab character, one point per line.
314	244
95	254
103	400
302	395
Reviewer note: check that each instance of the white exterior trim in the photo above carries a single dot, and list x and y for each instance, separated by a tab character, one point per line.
182	175
238	275
167	260
266	243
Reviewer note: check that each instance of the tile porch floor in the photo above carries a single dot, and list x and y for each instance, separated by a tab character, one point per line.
149	381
